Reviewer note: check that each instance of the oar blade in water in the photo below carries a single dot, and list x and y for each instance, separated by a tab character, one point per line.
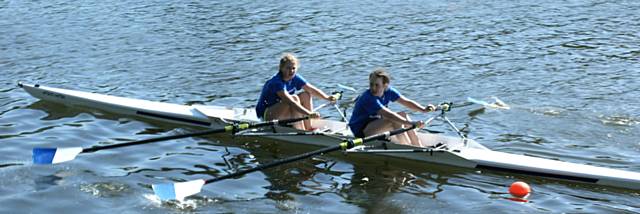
346	87
499	104
55	155
479	102
177	191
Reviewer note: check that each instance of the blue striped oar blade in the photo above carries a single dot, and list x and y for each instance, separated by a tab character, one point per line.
177	191
43	155
54	155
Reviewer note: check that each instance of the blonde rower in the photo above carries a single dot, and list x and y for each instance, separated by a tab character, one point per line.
279	100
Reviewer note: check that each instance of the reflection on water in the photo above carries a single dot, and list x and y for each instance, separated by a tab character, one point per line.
56	111
44	182
619	120
106	189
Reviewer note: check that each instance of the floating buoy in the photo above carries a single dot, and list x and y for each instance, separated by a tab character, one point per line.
519	189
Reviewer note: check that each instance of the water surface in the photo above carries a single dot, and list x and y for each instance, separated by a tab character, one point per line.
569	69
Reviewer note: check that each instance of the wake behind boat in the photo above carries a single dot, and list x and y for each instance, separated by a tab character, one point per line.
441	149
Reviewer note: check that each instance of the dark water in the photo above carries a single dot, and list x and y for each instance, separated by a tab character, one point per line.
570	70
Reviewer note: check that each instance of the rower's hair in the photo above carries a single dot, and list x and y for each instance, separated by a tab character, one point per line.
379	73
287	58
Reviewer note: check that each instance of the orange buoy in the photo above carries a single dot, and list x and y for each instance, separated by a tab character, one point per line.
519	189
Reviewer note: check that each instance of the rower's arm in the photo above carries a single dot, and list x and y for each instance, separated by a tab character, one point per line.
285	97
413	105
316	92
393	116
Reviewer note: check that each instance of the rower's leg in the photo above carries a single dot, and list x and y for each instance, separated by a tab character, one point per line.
412	133
307	102
374	127
381	125
402	138
293	113
279	111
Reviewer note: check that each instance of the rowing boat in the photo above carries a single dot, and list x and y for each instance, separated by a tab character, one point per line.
456	151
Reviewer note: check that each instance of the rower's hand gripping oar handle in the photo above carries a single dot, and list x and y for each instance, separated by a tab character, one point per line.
337	95
443	107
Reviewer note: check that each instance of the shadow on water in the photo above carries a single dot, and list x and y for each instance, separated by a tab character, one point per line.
366	181
360	179
46	182
56	111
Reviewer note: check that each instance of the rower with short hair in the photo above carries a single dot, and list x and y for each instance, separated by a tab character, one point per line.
371	114
278	99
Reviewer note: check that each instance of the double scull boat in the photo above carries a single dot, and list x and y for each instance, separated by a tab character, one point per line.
456	151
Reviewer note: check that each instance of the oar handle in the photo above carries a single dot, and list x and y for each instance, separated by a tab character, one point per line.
337	95
281	122
445	106
348	144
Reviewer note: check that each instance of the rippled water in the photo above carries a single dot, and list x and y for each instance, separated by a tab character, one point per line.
569	69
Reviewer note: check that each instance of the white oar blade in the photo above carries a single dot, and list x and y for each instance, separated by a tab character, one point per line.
55	155
347	87
497	105
177	191
501	104
479	102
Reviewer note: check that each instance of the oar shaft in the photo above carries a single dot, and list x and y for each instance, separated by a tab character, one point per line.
336	95
151	140
195	134
344	145
275	163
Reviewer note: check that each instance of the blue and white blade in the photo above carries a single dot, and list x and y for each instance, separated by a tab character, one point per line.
55	155
177	191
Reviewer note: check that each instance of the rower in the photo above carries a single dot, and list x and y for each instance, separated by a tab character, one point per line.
371	114
278	99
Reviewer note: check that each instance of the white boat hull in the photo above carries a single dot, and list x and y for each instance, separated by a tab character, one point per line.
473	155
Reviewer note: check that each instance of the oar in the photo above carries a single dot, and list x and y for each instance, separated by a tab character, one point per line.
443	107
58	155
347	87
497	104
180	190
336	95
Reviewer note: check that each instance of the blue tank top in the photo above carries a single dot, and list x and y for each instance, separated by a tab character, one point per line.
269	96
367	107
